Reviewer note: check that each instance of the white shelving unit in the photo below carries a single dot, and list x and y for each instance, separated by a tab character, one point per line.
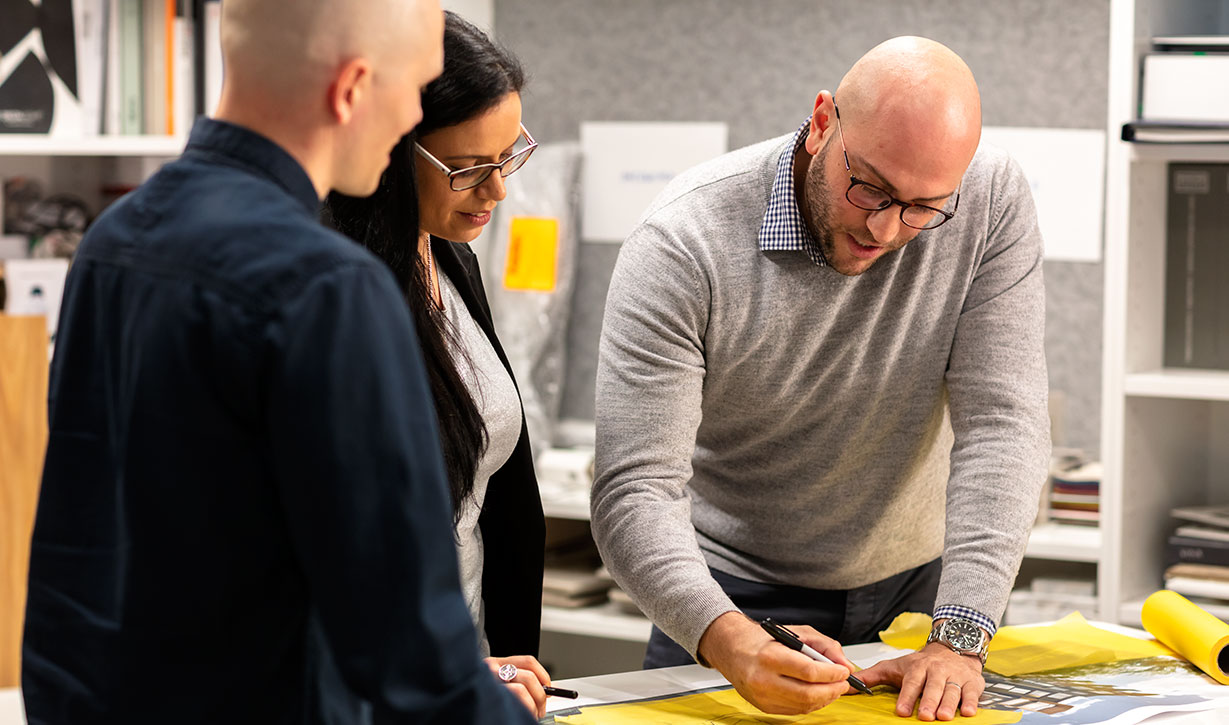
84	166
1164	431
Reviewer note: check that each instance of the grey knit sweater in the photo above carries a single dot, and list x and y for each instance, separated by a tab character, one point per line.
782	423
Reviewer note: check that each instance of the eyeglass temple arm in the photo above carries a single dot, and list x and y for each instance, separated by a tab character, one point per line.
431	159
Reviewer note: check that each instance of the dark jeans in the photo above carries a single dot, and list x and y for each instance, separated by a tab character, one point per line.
850	616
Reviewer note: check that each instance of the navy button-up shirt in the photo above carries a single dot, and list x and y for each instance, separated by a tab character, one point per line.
242	441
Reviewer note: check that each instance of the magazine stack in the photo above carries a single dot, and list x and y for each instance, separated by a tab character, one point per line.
1075	493
1197	557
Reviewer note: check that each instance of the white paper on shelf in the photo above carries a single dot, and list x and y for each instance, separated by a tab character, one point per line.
627	164
1185	87
1066	171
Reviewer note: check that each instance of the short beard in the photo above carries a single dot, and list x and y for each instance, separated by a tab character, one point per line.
819	206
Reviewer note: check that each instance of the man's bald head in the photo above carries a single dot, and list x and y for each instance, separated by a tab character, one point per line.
335	83
905	123
285	48
916	90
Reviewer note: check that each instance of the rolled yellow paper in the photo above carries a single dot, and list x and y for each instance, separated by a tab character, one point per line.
1186	628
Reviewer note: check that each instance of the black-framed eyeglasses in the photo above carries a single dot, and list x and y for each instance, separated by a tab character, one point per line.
471	176
868	197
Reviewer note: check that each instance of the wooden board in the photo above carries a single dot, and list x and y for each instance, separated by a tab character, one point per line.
23	439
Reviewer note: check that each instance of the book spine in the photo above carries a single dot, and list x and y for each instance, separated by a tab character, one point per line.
153	61
168	66
112	98
212	55
1185	550
131	82
184	95
89	20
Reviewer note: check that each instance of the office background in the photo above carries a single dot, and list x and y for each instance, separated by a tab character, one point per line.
757	67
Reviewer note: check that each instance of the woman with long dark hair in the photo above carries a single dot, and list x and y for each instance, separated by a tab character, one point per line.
442	183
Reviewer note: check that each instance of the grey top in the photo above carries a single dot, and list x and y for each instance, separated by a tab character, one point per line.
783	423
500	407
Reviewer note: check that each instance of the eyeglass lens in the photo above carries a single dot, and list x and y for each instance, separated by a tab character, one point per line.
872	198
469	178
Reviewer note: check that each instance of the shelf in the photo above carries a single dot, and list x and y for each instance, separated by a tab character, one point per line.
1179	383
1180	152
1064	542
605	620
41	145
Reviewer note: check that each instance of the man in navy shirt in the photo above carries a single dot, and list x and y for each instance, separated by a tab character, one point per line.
242	438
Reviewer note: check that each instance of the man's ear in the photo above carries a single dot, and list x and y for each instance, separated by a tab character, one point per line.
823	118
349	89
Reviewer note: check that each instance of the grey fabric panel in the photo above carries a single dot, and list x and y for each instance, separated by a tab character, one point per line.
758	65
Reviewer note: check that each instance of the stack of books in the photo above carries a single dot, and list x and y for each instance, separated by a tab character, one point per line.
571	588
1075	494
571	562
1197	557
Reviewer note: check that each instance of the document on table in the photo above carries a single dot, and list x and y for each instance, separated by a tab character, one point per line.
1070	672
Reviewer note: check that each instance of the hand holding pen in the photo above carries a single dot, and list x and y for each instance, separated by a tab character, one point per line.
791	640
771	677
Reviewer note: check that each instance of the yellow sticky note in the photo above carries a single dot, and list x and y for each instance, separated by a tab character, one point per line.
1200	637
533	246
727	706
1069	642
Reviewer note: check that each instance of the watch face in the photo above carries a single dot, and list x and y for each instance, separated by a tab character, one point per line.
962	634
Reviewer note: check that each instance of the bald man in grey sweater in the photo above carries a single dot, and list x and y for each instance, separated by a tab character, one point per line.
821	393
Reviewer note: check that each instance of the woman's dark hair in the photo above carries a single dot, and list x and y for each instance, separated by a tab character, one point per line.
477	76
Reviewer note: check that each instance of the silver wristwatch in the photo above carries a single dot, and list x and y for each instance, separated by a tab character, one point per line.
962	636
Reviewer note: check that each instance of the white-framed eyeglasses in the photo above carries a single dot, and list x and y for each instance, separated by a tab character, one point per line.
471	176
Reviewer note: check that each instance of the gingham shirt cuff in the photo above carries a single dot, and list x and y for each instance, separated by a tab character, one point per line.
948	611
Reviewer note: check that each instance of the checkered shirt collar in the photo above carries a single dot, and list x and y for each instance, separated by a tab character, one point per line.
784	228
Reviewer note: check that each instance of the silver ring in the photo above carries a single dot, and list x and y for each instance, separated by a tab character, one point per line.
507	672
953	684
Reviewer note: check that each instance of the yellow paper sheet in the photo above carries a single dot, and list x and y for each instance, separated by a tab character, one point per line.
1194	633
533	245
1069	642
908	631
727	707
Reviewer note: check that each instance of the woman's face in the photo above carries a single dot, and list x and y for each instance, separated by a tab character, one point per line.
459	216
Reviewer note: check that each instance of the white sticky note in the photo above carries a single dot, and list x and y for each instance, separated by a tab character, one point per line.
627	164
1066	171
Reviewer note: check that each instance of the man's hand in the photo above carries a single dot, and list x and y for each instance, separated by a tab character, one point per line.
936	679
771	676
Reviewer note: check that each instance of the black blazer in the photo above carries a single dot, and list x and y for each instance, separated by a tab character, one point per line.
512	524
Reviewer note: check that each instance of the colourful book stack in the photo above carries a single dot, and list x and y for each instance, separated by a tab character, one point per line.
1075	494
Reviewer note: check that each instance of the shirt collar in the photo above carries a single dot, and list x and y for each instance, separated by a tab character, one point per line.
256	154
783	228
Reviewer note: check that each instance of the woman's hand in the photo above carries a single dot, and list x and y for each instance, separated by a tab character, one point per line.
526	677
